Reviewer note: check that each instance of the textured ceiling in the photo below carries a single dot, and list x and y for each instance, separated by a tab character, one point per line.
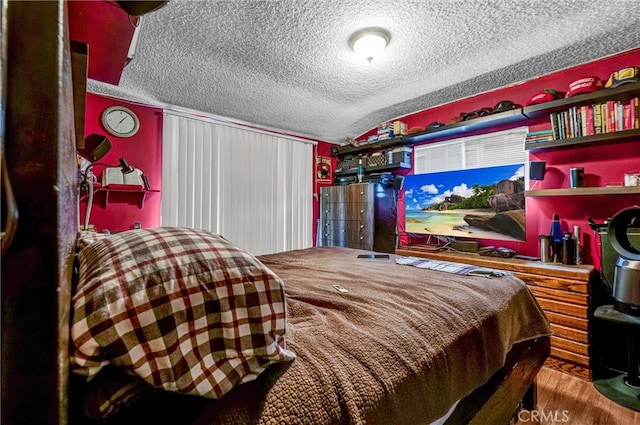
287	65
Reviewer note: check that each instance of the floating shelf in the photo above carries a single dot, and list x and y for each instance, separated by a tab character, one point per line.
624	92
528	113
603	138
462	127
585	191
379	168
134	191
356	150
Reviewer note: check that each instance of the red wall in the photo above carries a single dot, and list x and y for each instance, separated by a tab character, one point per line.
603	164
323	149
143	151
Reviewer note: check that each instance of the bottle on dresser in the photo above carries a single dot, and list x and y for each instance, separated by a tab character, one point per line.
556	239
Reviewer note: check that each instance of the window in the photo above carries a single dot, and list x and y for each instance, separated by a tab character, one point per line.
486	150
252	187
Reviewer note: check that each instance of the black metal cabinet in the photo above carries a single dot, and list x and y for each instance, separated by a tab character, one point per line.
358	216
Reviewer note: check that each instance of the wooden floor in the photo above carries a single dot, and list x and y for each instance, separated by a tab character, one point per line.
564	399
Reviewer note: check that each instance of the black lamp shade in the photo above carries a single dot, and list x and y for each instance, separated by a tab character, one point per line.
139	8
95	147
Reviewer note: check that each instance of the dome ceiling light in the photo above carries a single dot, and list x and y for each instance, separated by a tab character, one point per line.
369	42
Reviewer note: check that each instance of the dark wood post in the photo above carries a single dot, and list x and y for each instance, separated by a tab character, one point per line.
39	142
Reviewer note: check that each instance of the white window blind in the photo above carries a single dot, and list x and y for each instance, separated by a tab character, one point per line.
486	150
252	187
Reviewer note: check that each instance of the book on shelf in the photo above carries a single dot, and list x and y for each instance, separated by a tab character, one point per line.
616	116
583	120
610	117
559	119
620	117
605	117
538	133
572	123
554	125
626	116
589	121
597	119
564	125
539	136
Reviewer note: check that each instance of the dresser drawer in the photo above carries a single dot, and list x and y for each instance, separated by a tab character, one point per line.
358	216
348	232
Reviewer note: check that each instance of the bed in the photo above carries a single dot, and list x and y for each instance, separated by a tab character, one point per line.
177	325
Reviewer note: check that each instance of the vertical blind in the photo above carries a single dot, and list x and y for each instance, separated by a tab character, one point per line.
252	187
486	150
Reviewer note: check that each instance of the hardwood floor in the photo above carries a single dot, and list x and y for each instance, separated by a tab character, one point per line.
565	399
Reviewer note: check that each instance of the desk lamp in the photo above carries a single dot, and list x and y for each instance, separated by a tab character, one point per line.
87	180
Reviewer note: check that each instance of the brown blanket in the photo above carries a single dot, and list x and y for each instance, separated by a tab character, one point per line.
399	348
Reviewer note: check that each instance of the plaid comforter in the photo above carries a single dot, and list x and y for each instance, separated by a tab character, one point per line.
185	310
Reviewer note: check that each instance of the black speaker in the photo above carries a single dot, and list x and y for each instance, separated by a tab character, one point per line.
537	170
95	147
398	181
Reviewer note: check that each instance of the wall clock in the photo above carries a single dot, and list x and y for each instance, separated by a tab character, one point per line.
120	121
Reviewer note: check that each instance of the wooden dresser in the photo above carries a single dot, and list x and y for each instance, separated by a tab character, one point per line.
358	216
562	291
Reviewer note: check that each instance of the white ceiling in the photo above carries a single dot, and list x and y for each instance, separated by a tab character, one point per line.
287	64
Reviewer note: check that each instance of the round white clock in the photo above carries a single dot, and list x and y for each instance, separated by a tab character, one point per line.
120	121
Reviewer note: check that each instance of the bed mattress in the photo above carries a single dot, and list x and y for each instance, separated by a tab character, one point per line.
400	347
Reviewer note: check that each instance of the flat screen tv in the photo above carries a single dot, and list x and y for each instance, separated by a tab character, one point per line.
480	203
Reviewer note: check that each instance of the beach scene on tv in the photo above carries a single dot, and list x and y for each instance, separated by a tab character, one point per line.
483	203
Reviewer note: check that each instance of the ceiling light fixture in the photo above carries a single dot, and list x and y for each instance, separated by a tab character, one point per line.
369	42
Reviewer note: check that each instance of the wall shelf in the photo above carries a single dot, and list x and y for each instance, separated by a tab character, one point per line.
134	192
379	168
460	128
463	127
603	138
543	110
624	92
378	146
585	191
